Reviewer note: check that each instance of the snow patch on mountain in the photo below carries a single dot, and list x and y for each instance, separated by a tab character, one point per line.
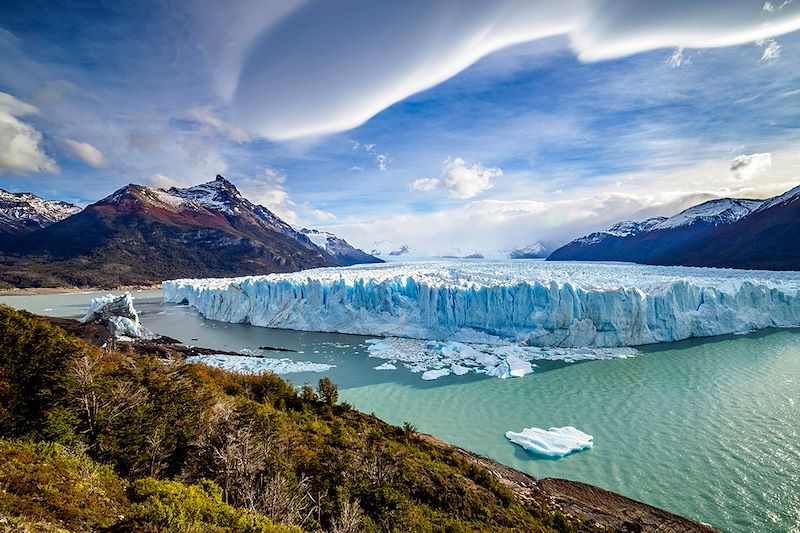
21	211
789	196
713	212
626	228
218	195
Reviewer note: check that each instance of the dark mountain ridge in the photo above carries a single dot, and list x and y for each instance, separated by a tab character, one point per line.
140	235
726	233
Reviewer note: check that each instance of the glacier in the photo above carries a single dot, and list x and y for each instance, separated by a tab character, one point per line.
531	303
554	442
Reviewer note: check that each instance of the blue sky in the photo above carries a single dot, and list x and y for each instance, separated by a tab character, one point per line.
456	126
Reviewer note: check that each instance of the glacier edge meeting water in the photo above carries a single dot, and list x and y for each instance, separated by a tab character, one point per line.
566	305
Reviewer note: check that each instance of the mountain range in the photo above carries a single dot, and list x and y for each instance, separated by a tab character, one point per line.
140	235
22	212
726	232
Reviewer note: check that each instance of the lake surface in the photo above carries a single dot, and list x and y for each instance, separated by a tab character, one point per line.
709	429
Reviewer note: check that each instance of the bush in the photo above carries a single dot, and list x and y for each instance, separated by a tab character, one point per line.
171	507
34	357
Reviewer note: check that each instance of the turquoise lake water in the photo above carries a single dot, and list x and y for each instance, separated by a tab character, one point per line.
708	429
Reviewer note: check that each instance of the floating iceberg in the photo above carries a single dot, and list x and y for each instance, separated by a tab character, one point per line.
118	315
546	304
386	366
553	442
430	375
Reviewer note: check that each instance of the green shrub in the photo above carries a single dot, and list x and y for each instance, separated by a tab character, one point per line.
171	507
34	357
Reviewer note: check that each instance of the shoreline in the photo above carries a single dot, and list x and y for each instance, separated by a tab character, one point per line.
578	499
38	291
589	502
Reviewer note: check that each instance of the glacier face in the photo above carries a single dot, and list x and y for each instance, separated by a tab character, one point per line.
566	305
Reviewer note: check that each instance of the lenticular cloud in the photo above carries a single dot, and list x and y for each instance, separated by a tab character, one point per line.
330	66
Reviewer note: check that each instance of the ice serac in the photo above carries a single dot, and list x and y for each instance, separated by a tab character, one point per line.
534	303
118	315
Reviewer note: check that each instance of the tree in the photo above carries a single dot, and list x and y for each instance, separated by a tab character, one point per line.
328	391
308	394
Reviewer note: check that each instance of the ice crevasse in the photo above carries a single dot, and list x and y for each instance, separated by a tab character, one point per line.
536	303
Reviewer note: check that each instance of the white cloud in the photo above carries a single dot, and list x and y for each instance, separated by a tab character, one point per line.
382	160
85	152
163	182
463	181
206	116
771	50
269	190
424	184
20	143
329	67
322	216
13	106
498	224
768	7
746	167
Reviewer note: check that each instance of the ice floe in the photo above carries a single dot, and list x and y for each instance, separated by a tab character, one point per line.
249	364
552	442
499	360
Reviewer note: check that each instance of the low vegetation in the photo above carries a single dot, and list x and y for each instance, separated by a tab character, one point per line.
109	441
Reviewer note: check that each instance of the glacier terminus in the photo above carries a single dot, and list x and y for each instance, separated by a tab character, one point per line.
546	310
532	302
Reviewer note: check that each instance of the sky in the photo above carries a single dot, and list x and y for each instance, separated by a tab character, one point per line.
455	127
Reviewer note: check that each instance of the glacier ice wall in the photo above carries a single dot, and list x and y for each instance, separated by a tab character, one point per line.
541	304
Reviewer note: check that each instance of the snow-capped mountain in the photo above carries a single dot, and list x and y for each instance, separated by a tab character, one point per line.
626	228
23	212
537	250
338	247
142	235
389	249
727	232
713	212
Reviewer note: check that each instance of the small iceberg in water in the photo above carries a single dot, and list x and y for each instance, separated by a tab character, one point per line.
553	442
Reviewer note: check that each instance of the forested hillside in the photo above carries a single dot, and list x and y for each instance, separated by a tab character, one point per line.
93	440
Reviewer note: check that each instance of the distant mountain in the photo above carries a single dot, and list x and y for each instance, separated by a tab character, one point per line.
22	212
389	249
728	232
338	247
141	235
537	250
